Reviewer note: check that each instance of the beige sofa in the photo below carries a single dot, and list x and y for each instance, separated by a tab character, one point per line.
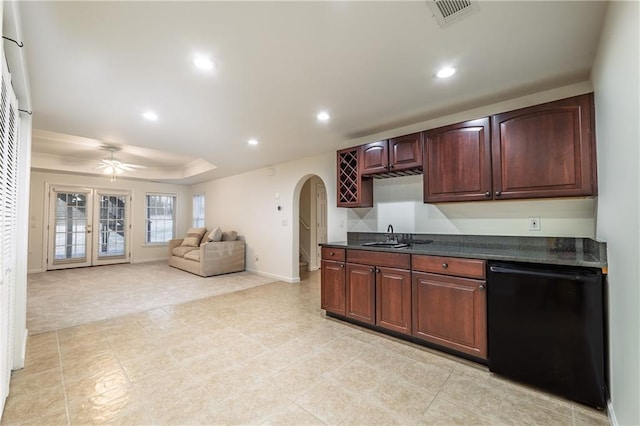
209	258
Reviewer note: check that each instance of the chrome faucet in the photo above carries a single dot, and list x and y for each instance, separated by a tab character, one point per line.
391	236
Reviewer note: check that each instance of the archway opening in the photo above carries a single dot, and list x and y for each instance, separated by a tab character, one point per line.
311	224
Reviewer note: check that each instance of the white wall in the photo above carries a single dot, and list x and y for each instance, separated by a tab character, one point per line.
139	251
398	201
248	204
615	78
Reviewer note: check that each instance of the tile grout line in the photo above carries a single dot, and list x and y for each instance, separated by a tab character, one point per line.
64	388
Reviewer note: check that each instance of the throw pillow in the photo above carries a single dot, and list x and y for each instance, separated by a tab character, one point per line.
229	236
215	234
194	235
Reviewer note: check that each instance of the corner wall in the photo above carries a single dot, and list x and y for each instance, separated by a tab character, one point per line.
616	75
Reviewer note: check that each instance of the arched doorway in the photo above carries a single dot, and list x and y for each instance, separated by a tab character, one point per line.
311	223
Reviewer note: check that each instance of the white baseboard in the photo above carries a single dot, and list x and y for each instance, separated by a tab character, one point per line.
313	268
157	259
611	414
275	276
34	271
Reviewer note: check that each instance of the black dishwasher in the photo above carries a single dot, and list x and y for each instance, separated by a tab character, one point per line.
546	328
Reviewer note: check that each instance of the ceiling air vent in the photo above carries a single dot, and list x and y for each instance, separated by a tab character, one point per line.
447	12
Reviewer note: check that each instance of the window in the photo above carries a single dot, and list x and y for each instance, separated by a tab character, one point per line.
198	211
161	218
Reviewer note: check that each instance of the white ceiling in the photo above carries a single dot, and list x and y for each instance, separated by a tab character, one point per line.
95	67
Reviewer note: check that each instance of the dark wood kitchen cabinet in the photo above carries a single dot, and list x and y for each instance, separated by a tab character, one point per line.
332	282
354	190
448	310
393	299
361	293
379	289
392	156
546	150
457	162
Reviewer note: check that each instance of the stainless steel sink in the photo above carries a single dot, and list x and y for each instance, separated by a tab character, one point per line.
388	244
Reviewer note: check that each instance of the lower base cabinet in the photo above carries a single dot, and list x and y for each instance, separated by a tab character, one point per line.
440	300
333	286
450	312
393	300
361	293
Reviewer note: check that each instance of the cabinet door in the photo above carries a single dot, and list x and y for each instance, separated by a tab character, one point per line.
405	152
333	287
353	189
457	162
450	312
393	299
545	150
361	293
374	158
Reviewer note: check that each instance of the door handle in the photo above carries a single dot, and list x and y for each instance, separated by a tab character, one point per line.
481	287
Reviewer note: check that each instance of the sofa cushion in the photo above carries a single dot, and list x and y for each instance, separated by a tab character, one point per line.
229	236
193	255
194	235
215	234
182	250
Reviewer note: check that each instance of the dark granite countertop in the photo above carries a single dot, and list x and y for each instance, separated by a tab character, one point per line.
584	252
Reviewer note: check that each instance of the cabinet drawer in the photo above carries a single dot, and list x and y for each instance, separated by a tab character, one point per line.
472	268
329	253
389	260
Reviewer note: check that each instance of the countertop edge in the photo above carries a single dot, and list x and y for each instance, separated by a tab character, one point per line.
471	252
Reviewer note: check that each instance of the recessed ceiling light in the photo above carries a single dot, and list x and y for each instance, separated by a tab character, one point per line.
446	72
253	142
203	63
150	115
323	116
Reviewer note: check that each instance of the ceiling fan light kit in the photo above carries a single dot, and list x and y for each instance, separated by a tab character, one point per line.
113	167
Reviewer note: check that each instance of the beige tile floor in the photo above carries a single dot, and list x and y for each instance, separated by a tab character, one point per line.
265	355
101	292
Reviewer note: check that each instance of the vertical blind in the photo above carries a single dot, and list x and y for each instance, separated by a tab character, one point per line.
9	124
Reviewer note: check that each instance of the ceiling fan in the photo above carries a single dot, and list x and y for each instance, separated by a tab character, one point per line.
114	167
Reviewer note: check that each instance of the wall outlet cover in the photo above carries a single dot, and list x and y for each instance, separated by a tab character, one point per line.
534	224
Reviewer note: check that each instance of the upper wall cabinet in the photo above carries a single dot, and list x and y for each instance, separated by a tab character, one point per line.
394	157
457	162
547	150
353	189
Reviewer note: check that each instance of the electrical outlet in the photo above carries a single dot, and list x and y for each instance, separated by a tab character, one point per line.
534	224
257	258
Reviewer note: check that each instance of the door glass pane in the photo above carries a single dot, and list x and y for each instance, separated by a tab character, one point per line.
111	226
71	224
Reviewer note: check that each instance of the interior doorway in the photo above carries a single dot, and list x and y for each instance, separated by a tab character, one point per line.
312	223
87	226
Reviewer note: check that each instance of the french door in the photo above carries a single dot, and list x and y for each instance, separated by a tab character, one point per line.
88	227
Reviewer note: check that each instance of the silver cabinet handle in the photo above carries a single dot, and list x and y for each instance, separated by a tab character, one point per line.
445	266
481	287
